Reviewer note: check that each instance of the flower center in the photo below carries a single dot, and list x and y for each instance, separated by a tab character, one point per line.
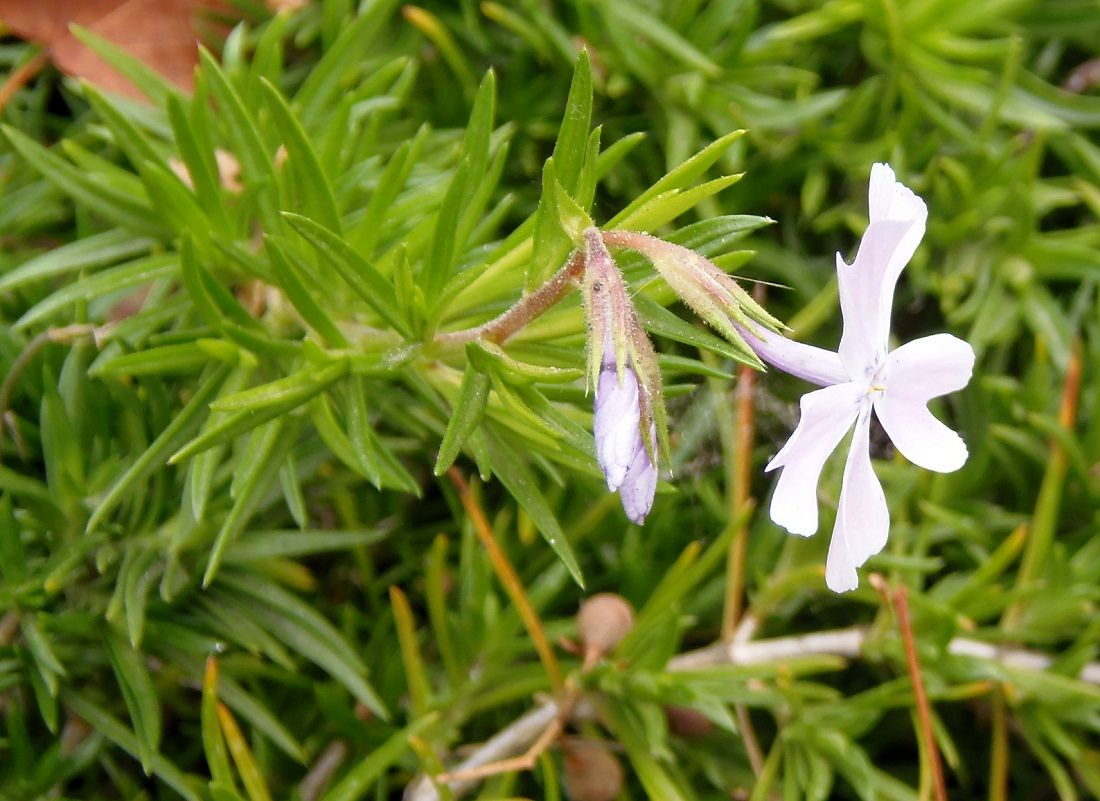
877	381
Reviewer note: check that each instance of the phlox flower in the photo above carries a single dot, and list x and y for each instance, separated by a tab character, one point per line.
861	378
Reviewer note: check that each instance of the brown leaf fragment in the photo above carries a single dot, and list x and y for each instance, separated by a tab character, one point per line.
160	33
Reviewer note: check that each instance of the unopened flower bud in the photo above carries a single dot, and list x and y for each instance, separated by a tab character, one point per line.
629	407
620	450
710	292
592	773
602	622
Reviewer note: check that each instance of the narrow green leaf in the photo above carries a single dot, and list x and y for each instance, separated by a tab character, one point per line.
314	189
110	727
172	199
572	218
155	455
139	693
411	658
521	483
585	192
616	152
370	447
45	692
410	297
255	476
21	485
629	730
264	545
200	162
40	647
252	778
680	177
480	127
569	149
359	779
94	250
13	564
668	206
364	237
465	416
490	357
63	458
102	283
360	275
267	58
299	627
186	357
551	244
292	491
435	582
648	26
261	718
342	60
151	82
139	582
257	167
334	436
287	273
200	473
130	140
192	273
233	426
442	254
86	189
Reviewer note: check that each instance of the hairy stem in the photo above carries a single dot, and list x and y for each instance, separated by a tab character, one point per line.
525	309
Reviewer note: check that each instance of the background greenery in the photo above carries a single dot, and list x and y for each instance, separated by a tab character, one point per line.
221	422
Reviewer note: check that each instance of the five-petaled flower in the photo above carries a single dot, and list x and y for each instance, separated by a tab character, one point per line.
860	378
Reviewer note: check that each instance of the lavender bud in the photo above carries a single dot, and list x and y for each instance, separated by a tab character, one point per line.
615	425
640	483
623	369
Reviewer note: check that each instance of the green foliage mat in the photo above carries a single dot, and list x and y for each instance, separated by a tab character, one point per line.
248	492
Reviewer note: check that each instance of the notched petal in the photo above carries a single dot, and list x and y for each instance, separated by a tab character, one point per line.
889	199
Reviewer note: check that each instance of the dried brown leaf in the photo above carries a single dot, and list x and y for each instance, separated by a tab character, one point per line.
161	33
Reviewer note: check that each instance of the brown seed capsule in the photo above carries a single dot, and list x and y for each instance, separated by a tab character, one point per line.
592	773
602	622
687	722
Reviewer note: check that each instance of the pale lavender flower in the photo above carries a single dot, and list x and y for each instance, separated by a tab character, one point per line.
620	449
863	376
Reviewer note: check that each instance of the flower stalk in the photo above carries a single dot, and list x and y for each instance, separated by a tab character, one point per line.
530	306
